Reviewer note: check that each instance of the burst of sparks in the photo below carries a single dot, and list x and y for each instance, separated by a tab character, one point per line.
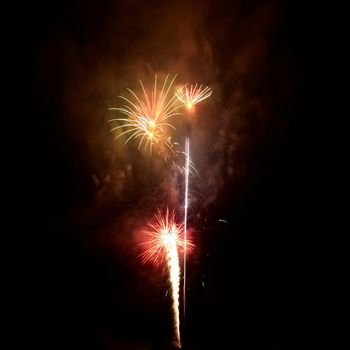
165	239
146	118
161	231
190	94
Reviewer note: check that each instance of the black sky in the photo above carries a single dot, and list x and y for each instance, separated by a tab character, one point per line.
87	287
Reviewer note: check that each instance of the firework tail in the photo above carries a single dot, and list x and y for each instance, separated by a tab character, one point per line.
164	241
187	153
174	276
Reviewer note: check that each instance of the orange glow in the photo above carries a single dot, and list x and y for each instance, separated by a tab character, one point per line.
146	118
190	94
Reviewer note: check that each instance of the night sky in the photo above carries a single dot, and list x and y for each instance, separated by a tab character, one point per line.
89	289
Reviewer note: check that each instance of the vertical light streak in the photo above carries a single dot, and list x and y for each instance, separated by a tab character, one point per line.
174	273
187	153
164	241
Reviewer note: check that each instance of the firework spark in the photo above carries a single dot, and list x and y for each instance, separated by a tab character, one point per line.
187	170
177	161
190	94
146	118
165	239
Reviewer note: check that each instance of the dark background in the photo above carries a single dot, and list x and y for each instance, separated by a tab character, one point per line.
82	293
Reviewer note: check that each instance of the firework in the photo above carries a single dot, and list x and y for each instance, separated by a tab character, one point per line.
190	94
187	170
177	161
165	240
146	118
